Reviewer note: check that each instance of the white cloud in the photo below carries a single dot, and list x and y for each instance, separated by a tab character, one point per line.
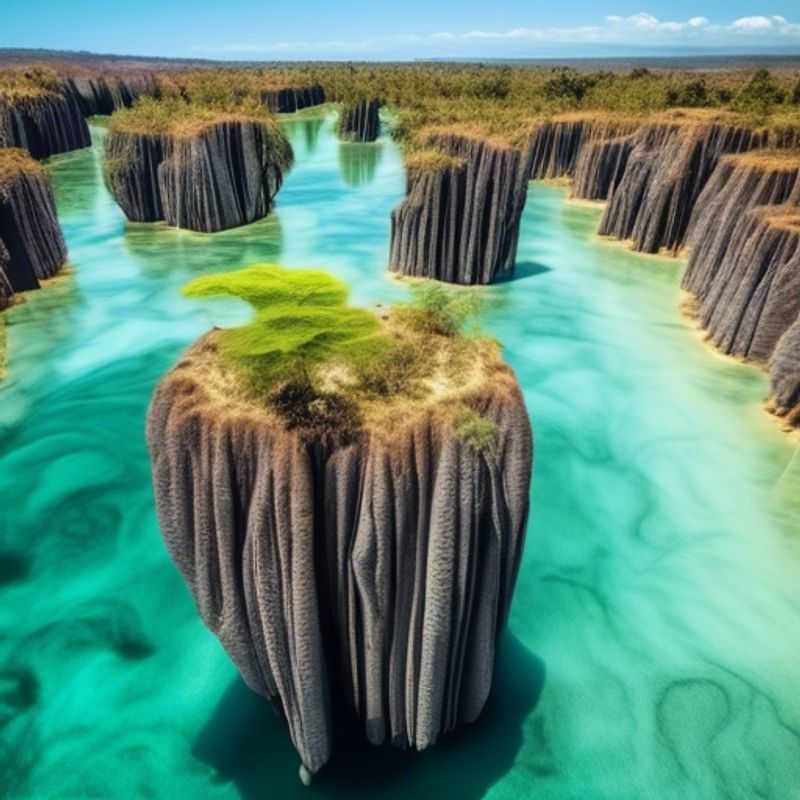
640	29
753	23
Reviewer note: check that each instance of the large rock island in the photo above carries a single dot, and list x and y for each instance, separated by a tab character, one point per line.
196	168
460	219
31	243
349	515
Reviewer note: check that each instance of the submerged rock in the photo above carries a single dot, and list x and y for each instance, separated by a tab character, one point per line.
784	373
31	243
367	576
361	122
666	170
218	175
44	123
460	219
293	98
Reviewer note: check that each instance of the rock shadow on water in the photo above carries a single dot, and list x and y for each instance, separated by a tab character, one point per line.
524	269
358	163
247	744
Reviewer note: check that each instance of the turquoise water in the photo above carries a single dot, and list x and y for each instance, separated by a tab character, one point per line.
653	641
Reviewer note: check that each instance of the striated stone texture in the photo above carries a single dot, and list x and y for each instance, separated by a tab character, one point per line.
44	124
30	235
554	148
460	221
6	289
105	95
361	122
222	176
600	167
290	99
784	372
369	578
666	170
744	265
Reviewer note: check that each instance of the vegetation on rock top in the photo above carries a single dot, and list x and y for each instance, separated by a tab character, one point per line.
15	161
328	367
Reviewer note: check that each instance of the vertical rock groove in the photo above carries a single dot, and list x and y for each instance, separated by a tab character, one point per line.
32	245
360	122
222	176
291	99
460	219
667	169
373	576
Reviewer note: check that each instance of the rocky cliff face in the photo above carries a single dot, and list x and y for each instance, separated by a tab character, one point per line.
105	95
31	243
6	289
667	169
361	122
368	578
554	149
784	371
44	124
223	176
460	221
601	166
288	100
744	265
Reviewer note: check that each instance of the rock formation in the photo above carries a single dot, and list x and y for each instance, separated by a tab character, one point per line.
784	372
105	95
361	122
367	577
600	167
219	175
44	122
460	219
744	265
667	169
6	289
290	99
31	243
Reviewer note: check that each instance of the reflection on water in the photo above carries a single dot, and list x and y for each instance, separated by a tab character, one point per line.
359	162
652	650
303	133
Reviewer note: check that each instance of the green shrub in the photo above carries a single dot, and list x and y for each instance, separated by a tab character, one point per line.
796	94
475	431
568	85
440	310
301	321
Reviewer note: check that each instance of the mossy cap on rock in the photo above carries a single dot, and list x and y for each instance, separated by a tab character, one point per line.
301	319
390	365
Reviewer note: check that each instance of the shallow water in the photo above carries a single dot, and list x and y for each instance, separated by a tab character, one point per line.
653	642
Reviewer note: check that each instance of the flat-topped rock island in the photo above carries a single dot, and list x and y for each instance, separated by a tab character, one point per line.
195	167
350	528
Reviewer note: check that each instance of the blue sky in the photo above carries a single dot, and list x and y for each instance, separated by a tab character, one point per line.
391	29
